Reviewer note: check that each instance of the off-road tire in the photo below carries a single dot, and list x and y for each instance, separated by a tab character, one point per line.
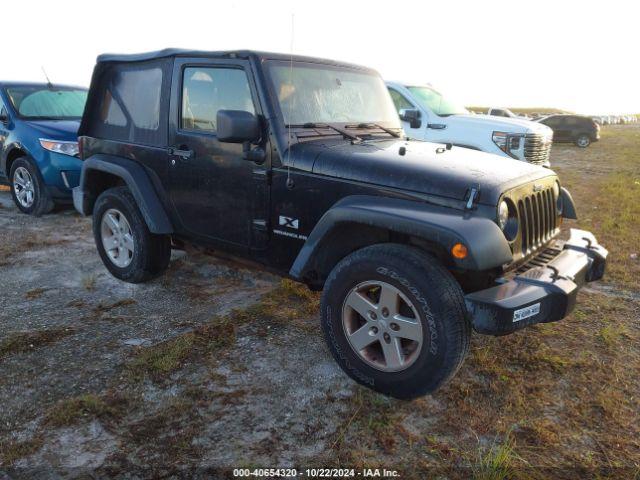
439	300
42	202
151	252
583	140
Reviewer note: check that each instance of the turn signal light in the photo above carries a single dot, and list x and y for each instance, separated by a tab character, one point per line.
459	251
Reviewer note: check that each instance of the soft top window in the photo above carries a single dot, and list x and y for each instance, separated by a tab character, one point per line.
129	103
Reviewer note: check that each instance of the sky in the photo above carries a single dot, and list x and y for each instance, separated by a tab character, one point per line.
576	55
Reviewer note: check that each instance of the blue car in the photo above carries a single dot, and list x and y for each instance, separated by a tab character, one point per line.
39	143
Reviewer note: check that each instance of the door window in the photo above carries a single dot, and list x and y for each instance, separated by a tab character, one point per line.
399	100
206	90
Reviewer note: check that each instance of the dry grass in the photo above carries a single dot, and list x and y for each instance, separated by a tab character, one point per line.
10	452
107	307
35	293
85	407
89	282
20	342
289	302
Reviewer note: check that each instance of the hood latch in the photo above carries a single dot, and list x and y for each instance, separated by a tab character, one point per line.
474	193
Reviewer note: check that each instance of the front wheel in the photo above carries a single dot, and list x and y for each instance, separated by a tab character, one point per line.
583	141
28	189
127	248
395	320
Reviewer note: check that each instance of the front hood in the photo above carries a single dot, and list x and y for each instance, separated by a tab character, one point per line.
504	124
450	174
55	129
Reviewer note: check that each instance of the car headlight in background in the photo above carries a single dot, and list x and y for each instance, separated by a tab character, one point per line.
507	142
65	148
508	219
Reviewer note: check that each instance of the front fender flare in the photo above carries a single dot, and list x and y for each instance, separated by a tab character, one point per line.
443	226
137	180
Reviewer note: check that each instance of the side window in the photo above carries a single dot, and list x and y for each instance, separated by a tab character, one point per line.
205	90
130	103
138	92
399	100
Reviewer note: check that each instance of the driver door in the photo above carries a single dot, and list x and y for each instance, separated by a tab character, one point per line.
216	194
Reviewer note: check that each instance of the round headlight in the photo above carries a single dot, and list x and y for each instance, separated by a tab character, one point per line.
503	214
558	197
508	219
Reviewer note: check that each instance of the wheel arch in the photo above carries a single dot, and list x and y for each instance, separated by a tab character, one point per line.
359	221
13	152
101	172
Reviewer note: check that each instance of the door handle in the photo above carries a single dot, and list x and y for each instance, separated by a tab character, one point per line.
436	126
184	154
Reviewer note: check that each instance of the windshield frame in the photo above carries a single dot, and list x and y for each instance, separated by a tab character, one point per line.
268	64
6	91
424	106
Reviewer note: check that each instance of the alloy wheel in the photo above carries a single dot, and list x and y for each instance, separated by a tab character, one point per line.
583	141
382	326
23	187
117	238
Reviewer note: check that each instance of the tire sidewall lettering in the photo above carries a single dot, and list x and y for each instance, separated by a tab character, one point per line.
423	305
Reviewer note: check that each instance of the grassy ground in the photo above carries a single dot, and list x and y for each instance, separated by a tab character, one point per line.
553	401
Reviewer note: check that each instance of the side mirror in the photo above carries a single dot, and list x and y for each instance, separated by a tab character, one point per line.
237	126
412	116
3	117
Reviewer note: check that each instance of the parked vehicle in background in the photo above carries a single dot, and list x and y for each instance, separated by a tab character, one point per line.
501	112
428	115
573	128
38	143
301	165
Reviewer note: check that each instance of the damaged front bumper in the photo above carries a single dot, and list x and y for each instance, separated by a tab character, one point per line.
541	294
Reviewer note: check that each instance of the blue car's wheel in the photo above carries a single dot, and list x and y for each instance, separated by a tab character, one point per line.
27	188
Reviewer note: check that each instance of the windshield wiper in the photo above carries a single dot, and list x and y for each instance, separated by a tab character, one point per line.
341	131
384	129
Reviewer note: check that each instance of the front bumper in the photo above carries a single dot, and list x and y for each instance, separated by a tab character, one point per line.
541	294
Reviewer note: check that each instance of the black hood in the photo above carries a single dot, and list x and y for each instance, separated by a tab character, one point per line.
451	173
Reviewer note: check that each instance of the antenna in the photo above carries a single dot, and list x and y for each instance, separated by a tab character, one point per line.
289	181
49	84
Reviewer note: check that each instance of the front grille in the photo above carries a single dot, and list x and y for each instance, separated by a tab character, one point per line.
537	213
537	148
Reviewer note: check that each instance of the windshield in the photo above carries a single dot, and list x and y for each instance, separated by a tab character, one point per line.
44	102
432	100
311	93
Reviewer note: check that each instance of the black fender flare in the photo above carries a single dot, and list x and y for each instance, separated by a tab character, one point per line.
485	242
568	206
137	179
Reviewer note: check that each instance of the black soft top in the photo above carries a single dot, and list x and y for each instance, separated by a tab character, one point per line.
177	52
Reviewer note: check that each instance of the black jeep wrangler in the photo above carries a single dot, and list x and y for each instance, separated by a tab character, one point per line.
300	165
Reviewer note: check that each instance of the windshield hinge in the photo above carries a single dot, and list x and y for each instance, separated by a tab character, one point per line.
473	195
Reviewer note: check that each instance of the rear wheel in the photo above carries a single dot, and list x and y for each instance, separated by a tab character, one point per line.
28	189
395	320
583	140
127	248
